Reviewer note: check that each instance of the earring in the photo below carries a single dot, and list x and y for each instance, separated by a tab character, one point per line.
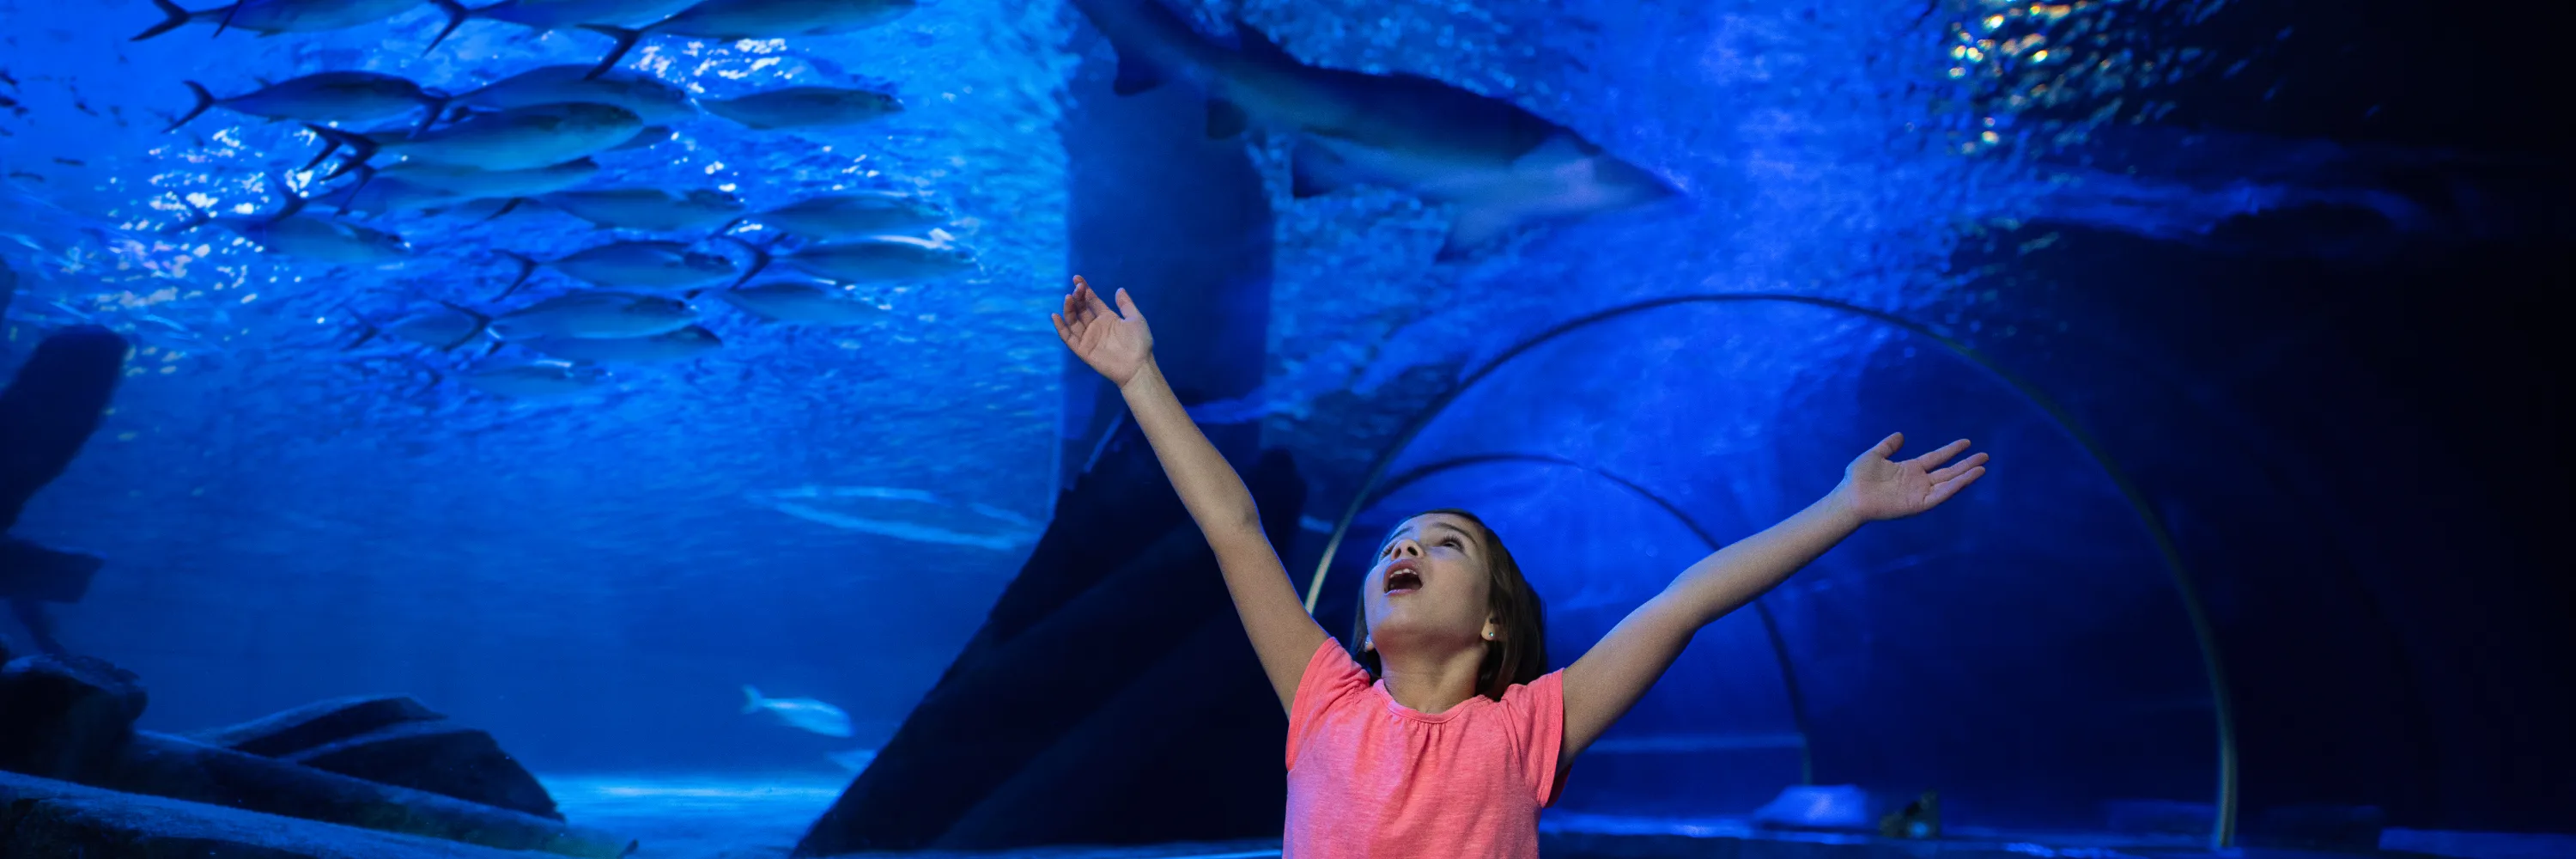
1489	633
1368	644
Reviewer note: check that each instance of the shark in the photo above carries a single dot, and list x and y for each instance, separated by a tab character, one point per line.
1498	165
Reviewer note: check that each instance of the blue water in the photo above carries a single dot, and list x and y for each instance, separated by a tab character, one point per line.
829	512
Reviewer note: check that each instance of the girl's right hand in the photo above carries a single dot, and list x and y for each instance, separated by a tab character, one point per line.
1115	343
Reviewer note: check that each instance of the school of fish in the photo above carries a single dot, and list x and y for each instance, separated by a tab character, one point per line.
390	146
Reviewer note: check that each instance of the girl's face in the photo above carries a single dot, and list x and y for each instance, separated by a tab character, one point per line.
1429	584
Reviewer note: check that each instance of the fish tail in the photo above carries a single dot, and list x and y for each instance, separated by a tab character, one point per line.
626	38
331	143
433	103
727	229
172	18
196	218
457	15
227	22
295	203
527	269
205	100
753	694
366	175
360	146
366	330
759	260
482	323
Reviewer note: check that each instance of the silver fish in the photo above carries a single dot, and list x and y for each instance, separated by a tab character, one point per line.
681	345
443	329
1499	164
545	15
733	20
271	17
323	97
654	135
652	209
474	183
375	195
294	234
854	760
803	713
652	101
647	265
789	301
805	107
515	139
537	380
594	314
868	259
851	215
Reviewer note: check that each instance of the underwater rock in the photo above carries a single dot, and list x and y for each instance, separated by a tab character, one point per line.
317	724
49	411
32	572
439	757
1078	679
46	817
65	716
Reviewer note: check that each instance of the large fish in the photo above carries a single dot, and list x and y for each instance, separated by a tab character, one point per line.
536	380
735	20
594	314
874	258
295	234
1499	165
652	101
545	15
802	713
444	328
515	139
681	345
651	209
805	107
790	301
363	97
478	184
645	265
271	17
854	214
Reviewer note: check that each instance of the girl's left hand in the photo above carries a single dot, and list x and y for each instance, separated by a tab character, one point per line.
1876	488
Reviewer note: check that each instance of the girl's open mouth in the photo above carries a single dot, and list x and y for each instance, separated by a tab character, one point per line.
1402	580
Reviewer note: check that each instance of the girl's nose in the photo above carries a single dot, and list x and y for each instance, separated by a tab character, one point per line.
1404	549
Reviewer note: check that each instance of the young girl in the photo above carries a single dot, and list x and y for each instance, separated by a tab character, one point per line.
1446	735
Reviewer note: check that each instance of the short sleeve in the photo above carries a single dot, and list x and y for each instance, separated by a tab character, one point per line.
1537	717
1331	677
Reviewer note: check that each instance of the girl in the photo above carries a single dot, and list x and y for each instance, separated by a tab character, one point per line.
1446	735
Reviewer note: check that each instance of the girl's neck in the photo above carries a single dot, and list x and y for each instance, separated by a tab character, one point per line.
1431	684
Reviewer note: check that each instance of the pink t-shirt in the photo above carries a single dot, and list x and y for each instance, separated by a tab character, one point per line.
1368	777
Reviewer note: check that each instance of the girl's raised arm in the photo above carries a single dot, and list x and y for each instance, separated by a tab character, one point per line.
1119	346
1601	686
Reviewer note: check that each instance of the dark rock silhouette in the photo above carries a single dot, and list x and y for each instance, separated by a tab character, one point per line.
46	415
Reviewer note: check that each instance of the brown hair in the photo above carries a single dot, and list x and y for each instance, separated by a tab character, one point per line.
1519	655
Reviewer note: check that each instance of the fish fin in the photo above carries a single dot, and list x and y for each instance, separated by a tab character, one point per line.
727	229
1224	119
1135	76
482	323
432	104
506	208
753	694
1315	171
626	38
205	100
172	18
227	22
457	15
1256	44
366	174
1473	227
527	269
294	203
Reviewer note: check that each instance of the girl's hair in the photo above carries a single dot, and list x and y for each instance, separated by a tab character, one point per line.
1519	654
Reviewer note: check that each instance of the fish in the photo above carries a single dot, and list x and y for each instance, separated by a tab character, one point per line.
789	301
536	380
802	713
514	139
854	760
475	183
833	217
735	20
443	329
595	314
653	209
547	15
271	17
654	135
295	234
681	345
322	97
805	107
377	195
871	258
645	265
652	101
1497	164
